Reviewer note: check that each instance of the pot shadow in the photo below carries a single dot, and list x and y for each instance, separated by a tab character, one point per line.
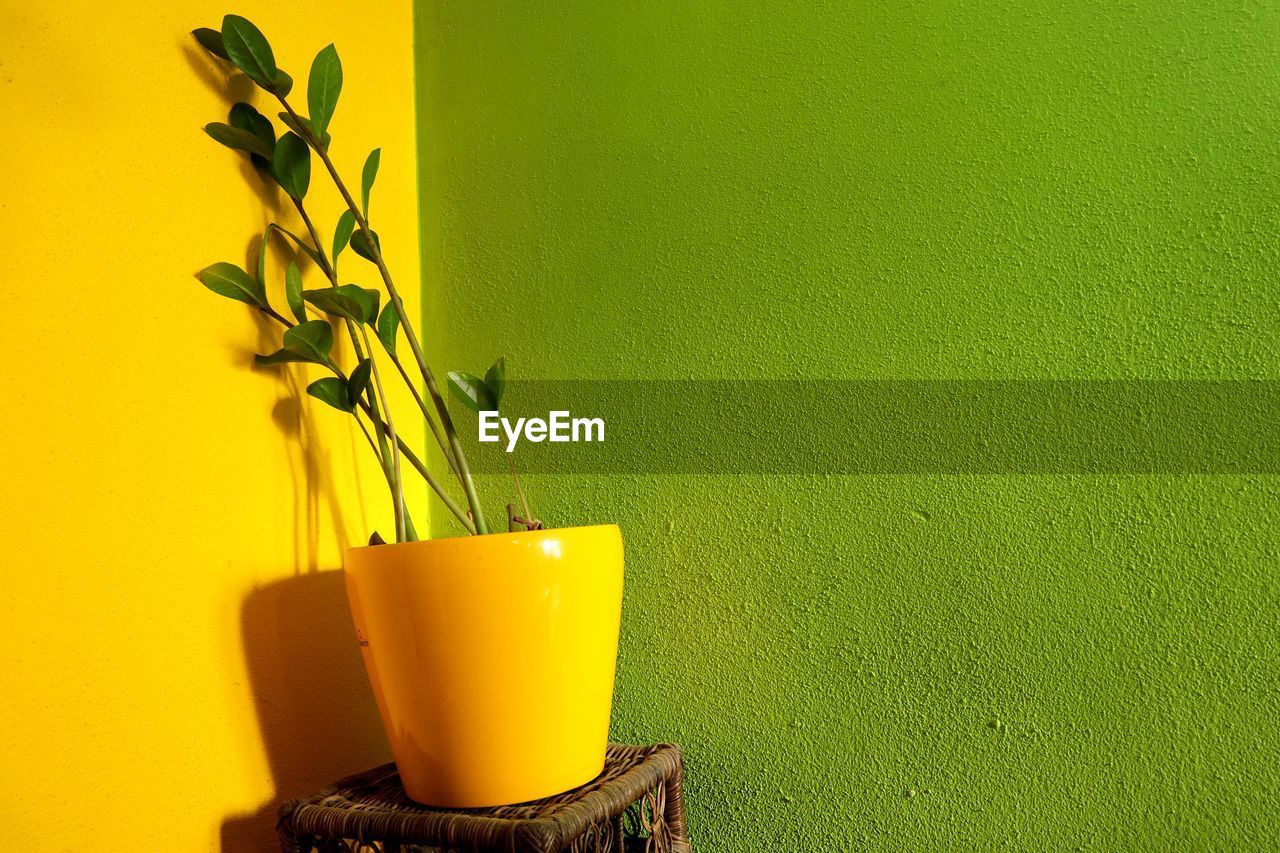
314	705
311	695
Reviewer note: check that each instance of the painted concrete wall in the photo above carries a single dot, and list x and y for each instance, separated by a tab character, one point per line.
895	190
178	654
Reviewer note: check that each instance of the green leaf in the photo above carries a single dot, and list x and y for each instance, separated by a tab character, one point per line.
323	87
293	292
331	390
358	381
360	245
496	380
471	390
313	340
342	235
262	256
240	140
365	297
247	47
333	303
367	177
234	283
211	40
299	242
283	84
349	301
304	128
245	117
291	165
388	324
282	356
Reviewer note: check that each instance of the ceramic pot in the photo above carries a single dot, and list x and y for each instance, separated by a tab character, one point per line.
492	659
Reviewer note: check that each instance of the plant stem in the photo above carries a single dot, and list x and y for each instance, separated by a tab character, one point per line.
464	471
405	450
377	399
419	466
391	433
515	475
330	268
385	456
426	416
449	503
397	498
298	240
271	312
364	429
326	266
410	533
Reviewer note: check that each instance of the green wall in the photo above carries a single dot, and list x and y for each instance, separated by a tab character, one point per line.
893	190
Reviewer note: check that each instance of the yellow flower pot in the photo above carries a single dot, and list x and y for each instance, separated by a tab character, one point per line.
492	659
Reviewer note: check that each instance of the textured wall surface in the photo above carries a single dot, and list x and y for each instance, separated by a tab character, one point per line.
175	662
893	190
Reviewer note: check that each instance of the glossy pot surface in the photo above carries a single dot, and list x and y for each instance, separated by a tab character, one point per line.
492	659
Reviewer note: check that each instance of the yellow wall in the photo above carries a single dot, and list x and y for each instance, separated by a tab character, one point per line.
176	657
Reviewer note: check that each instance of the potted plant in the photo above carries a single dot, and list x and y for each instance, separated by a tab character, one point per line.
491	655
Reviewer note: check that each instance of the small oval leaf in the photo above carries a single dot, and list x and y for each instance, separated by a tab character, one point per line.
248	48
323	87
342	236
232	282
245	117
367	177
471	391
388	324
331	390
496	379
358	381
240	140
262	255
291	165
283	84
293	292
313	340
282	356
365	297
211	40
333	303
351	302
361	246
301	244
305	129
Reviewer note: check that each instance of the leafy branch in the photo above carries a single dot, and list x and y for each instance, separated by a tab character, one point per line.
485	395
286	160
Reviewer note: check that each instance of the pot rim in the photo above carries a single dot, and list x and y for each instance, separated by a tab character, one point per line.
463	541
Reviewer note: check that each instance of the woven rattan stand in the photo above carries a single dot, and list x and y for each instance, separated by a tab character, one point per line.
635	804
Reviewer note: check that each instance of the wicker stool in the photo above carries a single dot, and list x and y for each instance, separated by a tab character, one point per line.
636	803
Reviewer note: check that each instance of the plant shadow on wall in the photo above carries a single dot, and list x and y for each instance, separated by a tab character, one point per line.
303	448
314	708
